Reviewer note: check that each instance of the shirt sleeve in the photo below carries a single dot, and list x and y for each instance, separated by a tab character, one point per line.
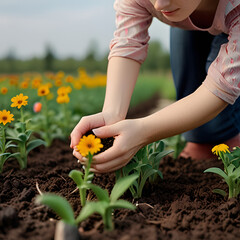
131	36
225	69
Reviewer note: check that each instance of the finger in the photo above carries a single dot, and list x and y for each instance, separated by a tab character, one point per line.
78	156
84	125
94	170
110	166
107	131
113	152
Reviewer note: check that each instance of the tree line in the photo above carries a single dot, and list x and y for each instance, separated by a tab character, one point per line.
157	59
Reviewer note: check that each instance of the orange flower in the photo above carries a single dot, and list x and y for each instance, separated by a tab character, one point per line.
4	90
37	107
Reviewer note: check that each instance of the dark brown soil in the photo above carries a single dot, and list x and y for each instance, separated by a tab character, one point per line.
180	207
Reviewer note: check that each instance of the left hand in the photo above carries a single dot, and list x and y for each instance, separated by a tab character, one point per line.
128	140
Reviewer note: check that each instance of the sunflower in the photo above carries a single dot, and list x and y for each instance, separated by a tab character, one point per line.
4	90
19	101
43	90
89	144
6	117
220	148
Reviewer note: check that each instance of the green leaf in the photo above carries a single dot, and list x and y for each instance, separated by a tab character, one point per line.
90	208
77	177
28	134
9	144
220	191
15	155
147	173
129	168
122	204
236	173
230	169
58	204
34	143
5	154
164	153
218	171
121	186
22	137
102	194
1	146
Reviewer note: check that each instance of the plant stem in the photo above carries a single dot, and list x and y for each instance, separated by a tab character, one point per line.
85	179
107	220
2	158
231	190
46	122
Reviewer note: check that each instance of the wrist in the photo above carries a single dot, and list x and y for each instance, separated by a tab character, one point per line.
112	116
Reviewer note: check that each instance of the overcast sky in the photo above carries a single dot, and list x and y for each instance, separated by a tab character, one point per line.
69	26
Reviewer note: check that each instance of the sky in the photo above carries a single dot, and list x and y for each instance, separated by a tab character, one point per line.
69	27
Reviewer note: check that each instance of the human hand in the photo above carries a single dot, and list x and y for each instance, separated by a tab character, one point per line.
128	140
88	123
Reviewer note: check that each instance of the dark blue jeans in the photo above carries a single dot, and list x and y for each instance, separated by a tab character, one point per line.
191	53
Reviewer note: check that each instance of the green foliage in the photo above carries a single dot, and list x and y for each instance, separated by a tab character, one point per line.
230	174
23	144
5	146
177	143
104	206
81	179
157	59
58	204
146	165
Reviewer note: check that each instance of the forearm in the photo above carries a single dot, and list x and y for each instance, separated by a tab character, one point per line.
183	115
121	78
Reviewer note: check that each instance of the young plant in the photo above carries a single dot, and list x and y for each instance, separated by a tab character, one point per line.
5	117
21	135
87	146
231	172
146	165
104	206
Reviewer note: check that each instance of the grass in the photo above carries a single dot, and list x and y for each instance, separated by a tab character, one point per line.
150	83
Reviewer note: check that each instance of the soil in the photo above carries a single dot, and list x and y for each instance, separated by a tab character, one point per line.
179	207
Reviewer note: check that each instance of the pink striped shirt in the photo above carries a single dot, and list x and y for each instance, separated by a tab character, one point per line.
133	18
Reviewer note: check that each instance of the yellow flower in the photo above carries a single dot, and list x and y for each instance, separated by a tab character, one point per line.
64	90
77	84
36	82
69	79
220	148
19	101
89	144
64	98
43	90
4	90
58	82
24	84
5	117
